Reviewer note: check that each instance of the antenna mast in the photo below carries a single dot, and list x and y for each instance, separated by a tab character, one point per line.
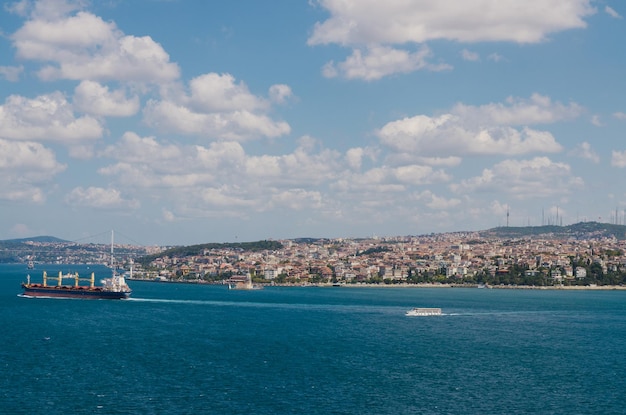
112	263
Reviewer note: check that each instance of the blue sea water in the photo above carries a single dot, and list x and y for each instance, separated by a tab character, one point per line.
197	349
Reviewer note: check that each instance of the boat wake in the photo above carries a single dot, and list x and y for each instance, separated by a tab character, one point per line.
251	304
170	301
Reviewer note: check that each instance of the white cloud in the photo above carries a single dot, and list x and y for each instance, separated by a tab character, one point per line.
213	92
380	61
444	135
584	151
236	125
538	109
435	202
523	179
100	198
595	120
135	150
611	12
372	184
220	179
47	9
354	22
304	166
417	175
470	56
147	163
30	160
486	129
25	167
280	93
93	98
83	46
355	156
379	25
216	108
47	117
620	115
618	159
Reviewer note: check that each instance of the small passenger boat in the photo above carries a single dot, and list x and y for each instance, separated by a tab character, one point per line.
418	312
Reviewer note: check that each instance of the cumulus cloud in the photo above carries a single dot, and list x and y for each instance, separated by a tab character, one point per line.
143	162
47	118
217	107
479	130
397	21
380	61
436	202
538	109
386	180
355	156
308	164
99	198
25	167
522	179
213	92
379	25
221	179
93	98
79	45
280	93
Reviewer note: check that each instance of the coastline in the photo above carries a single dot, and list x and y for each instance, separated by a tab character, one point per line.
404	285
497	287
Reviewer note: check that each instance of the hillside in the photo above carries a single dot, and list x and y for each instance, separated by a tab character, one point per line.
581	230
35	239
191	250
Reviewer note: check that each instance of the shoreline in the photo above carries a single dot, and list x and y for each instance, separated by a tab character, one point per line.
495	287
404	285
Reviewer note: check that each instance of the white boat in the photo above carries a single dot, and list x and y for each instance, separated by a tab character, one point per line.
244	283
418	312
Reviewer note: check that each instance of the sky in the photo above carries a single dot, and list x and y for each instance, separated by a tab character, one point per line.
185	122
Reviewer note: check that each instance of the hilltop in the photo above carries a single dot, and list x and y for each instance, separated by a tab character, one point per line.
34	239
581	230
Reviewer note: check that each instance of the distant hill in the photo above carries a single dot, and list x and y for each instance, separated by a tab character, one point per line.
44	239
581	230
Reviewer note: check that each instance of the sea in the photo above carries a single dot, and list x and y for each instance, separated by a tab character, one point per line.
204	349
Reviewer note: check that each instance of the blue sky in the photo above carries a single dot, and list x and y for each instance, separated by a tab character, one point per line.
181	122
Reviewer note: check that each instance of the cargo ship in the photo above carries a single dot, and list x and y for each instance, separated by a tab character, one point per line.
113	288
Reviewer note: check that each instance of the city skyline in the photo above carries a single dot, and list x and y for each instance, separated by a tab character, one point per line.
183	122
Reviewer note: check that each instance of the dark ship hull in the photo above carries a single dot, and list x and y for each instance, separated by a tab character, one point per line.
67	291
